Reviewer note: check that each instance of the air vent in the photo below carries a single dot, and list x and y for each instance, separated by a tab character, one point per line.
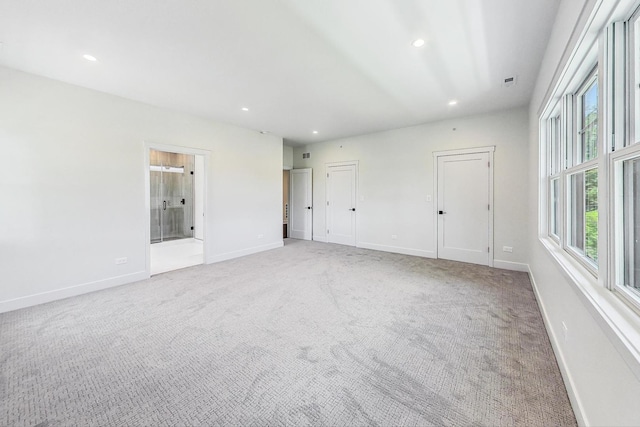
306	155
510	81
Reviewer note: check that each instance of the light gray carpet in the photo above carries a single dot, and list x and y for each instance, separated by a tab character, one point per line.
310	334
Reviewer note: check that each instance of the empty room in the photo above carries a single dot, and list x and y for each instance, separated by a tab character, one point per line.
320	212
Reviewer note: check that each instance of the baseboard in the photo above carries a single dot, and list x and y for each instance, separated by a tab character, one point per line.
509	265
397	250
576	403
71	291
243	252
319	238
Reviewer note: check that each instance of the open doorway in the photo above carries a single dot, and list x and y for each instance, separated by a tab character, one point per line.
176	182
286	176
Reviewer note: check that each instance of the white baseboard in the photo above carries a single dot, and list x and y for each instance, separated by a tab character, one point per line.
320	238
576	403
397	250
509	265
248	251
71	291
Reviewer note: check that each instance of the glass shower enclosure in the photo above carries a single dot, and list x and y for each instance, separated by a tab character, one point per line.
172	188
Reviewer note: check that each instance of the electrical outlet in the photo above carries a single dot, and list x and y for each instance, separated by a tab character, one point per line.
120	261
507	249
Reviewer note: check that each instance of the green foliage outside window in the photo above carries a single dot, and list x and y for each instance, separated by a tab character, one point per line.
591	214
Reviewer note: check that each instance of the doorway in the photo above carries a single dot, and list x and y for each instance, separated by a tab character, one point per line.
171	196
286	177
341	203
176	182
300	192
465	205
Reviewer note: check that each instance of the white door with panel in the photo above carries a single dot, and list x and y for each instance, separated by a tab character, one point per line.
341	204
301	209
464	209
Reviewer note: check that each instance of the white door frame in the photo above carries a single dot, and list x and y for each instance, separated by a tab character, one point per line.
355	163
436	155
147	147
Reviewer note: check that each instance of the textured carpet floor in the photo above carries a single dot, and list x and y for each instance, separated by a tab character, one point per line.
309	334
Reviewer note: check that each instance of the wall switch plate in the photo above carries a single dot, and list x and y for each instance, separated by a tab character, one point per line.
507	249
120	261
260	236
428	197
394	236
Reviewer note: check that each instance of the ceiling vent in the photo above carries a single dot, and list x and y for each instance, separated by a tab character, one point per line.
510	81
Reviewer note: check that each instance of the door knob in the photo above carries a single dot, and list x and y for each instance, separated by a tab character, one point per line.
353	209
441	212
164	205
308	207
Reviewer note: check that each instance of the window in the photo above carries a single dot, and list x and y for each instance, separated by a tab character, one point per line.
583	217
580	178
588	119
554	176
591	144
626	178
633	38
554	217
631	223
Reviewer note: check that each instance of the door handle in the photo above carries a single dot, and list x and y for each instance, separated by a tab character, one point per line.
353	209
308	207
441	212
164	205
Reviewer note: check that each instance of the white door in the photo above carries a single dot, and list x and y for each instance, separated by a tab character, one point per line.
464	212
301	208
341	204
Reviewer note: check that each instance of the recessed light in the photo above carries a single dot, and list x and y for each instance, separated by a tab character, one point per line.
245	109
315	132
417	43
90	58
264	132
453	102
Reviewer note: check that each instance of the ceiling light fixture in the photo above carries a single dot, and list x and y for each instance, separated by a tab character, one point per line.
453	102
417	43
90	58
245	109
315	132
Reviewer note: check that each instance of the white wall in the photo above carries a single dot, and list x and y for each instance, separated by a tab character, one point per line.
287	157
396	174
73	187
602	387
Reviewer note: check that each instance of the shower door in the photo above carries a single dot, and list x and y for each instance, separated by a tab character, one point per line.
171	179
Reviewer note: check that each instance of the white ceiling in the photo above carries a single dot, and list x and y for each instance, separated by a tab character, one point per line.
341	67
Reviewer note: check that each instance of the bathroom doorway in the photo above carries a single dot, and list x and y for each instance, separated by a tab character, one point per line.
176	209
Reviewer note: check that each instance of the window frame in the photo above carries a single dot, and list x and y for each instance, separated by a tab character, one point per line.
574	163
554	173
617	158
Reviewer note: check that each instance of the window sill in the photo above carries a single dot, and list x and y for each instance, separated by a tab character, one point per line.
618	321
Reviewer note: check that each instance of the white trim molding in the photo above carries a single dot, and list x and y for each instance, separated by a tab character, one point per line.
71	291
